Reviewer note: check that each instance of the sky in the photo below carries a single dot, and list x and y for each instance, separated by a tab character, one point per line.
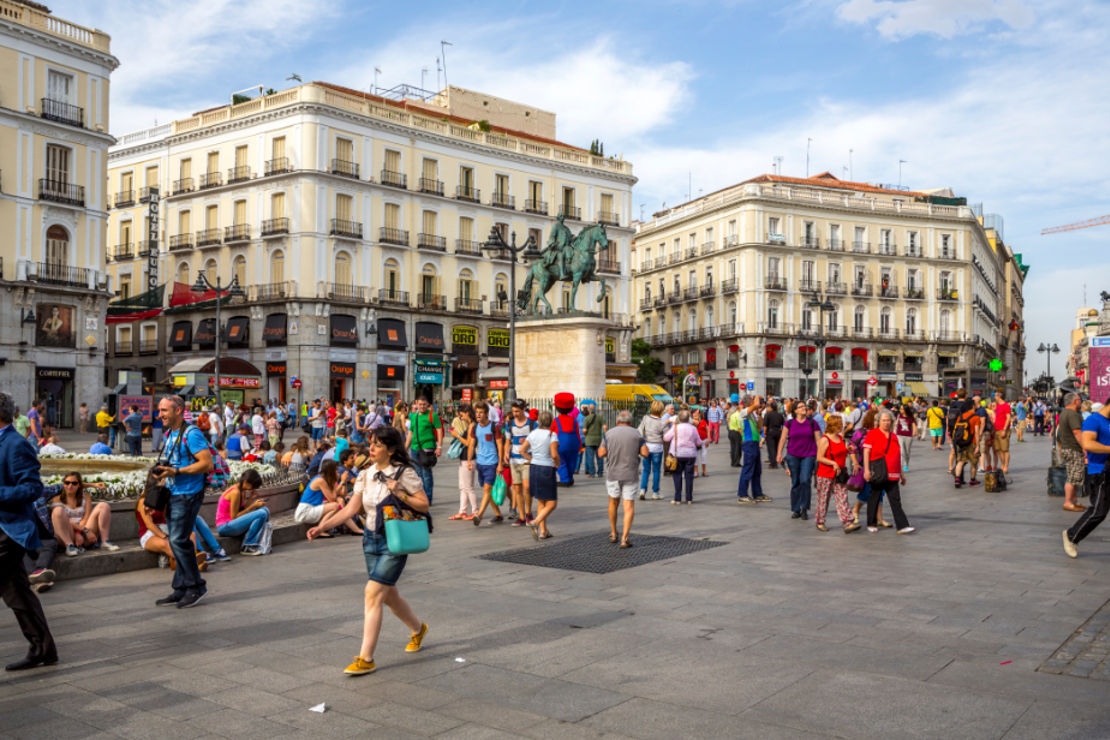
1001	100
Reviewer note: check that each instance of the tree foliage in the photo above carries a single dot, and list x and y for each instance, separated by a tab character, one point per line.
650	367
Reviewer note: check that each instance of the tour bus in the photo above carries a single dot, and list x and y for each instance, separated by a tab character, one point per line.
636	392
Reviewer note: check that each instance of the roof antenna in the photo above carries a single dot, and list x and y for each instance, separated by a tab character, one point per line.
808	142
778	164
443	53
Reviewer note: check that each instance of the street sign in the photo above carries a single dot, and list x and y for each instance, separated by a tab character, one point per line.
296	383
835	375
751	385
995	365
872	381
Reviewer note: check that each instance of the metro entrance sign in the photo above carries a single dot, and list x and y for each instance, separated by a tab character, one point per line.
872	381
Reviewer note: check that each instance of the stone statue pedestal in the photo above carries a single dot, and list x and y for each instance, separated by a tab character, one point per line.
561	354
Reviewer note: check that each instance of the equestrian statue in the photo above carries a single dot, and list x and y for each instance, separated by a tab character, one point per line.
567	259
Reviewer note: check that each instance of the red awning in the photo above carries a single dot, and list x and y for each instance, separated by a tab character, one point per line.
857	352
734	348
833	350
807	349
774	347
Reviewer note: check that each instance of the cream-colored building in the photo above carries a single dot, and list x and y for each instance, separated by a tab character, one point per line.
1011	340
745	285
354	224
53	209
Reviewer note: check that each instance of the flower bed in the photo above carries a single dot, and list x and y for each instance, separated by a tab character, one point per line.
129	485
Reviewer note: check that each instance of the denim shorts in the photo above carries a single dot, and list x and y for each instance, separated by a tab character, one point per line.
487	474
382	566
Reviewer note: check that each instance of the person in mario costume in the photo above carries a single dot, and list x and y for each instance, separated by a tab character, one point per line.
569	433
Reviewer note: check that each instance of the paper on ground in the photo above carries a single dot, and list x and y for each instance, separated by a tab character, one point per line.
318	708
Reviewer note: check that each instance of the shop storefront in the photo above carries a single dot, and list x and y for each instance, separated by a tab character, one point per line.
430	369
342	380
240	381
274	334
275	380
343	338
393	347
464	369
54	387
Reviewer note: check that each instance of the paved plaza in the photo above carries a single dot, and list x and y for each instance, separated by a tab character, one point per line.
782	632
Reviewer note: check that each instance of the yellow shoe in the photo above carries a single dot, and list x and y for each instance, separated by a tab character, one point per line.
360	667
414	643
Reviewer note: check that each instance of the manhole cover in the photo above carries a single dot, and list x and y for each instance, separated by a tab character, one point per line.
595	554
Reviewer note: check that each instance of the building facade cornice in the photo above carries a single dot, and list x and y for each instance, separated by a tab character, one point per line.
59	44
72	134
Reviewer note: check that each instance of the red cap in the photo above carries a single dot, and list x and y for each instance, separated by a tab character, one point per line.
564	401
533	414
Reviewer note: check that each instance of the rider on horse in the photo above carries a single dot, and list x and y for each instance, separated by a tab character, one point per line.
559	243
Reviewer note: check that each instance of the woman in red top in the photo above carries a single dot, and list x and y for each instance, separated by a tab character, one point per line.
882	442
832	457
330	416
698	420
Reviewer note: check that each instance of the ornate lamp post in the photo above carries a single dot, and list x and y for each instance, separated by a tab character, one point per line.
1049	350
494	244
819	341
202	285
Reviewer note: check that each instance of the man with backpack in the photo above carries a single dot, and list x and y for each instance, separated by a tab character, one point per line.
517	428
988	462
966	431
425	435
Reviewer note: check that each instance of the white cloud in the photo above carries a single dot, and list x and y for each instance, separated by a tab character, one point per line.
944	18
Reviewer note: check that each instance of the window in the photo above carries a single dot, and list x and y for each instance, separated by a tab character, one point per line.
772	314
59	86
646	263
503	230
501	291
240	270
183	273
151	177
911	279
466	285
343	207
732	269
810	234
677	323
858	321
677	285
692	279
807	319
692	241
861	236
343	268
184	222
773	228
773	267
213	163
126	182
535	193
501	187
240	213
430	223
709	316
709	276
833	320
568	199
57	164
429	284
277	147
945	323
692	357
345	150
185	169
676	359
210	270
732	313
647	330
124	286
911	242
607	204
277	267
911	322
884	320
212	217
240	156
946	245
392	215
125	233
834	235
709	235
885	238
150	336
123	339
834	273
392	277
647	292
466	179
662	288
945	282
392	161
808	271
466	228
861	276
277	205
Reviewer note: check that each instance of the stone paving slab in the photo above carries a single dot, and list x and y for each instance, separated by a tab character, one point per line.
780	631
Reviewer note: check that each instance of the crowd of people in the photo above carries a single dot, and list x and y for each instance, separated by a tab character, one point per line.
358	457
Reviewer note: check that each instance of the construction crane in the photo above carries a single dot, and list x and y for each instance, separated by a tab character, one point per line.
1080	225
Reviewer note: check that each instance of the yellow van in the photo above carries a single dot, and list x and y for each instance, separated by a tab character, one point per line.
637	392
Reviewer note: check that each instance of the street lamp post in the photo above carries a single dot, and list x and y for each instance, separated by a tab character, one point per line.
495	243
202	285
1049	350
819	341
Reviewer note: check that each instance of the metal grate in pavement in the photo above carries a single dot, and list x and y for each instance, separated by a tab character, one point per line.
595	554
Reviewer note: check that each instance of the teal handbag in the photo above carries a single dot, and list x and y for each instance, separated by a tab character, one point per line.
405	537
455	451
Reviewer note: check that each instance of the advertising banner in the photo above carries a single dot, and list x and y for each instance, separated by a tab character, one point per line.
1099	364
143	402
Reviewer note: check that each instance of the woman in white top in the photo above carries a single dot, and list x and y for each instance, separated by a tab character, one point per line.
389	471
541	450
258	428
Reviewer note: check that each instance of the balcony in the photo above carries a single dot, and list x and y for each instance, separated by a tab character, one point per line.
431	186
707	291
275	226
468	247
59	112
676	257
887	249
660	261
836	288
646	304
272	292
278	166
504	255
659	301
237	233
609	267
861	332
343	292
691	294
888	291
147	248
609	218
536	206
125	349
343	168
467	193
708	247
674	297
732	240
183	186
148	347
732	364
179	242
569	211
122	252
914	250
208	238
344	228
395	179
241	173
861	289
431	302
947	254
210	180
914	294
124	199
432	242
500	309
776	328
861	247
947	294
810	286
730	286
388	297
913	336
691	253
774	282
469	305
400	237
48	273
145	194
61	192
810	242
949	336
503	200
835	245
836	332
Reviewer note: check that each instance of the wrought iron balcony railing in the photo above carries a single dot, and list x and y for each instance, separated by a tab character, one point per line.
389	297
432	242
210	180
208	237
536	206
395	179
237	233
468	305
468	247
393	236
275	226
61	192
56	110
432	186
467	193
343	227
344	168
241	173
278	166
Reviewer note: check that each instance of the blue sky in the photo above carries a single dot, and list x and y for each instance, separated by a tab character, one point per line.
1002	100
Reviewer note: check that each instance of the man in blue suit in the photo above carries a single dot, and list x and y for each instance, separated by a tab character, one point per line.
20	486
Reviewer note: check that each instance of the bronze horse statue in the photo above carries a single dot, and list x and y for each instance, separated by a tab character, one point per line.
581	267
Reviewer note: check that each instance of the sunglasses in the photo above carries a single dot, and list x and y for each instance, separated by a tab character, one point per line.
70	483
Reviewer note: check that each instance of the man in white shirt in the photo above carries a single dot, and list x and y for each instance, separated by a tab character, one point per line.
229	417
216	432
